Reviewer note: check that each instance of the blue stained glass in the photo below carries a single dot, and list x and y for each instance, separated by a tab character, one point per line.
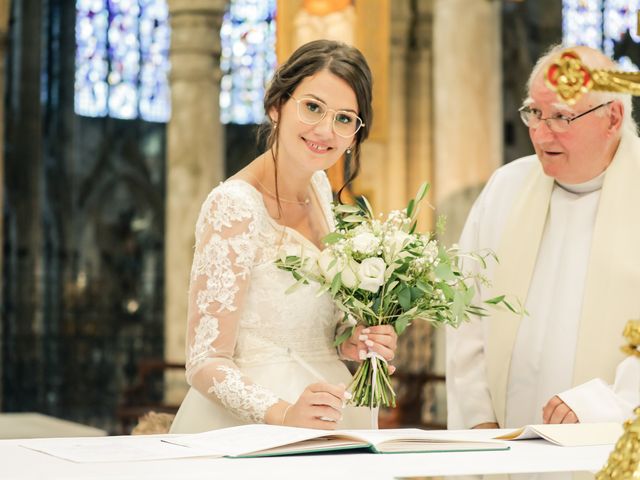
155	97
124	50
582	22
248	59
122	59
620	18
92	66
599	24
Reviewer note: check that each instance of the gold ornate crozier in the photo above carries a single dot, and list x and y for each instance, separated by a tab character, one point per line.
624	461
570	79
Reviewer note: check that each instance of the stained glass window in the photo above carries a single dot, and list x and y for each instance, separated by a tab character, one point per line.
582	22
602	24
122	59
247	60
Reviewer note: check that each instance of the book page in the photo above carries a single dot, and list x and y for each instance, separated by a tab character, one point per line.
247	439
252	440
569	435
414	439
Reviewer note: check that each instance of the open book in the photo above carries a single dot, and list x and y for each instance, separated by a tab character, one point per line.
570	434
270	440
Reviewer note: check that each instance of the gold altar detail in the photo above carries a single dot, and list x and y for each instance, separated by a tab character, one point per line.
624	461
632	334
570	79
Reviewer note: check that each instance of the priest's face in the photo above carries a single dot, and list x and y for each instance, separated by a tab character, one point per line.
588	145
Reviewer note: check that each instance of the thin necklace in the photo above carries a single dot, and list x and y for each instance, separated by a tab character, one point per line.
303	203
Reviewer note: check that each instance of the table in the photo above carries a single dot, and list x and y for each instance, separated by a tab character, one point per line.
36	425
17	462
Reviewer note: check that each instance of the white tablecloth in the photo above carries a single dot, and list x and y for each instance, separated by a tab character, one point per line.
17	462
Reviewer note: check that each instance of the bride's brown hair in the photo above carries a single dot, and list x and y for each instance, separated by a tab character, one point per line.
342	60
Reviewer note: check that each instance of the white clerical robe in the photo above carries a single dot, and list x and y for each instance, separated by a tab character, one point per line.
544	350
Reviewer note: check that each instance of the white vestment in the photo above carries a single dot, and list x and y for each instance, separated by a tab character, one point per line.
545	343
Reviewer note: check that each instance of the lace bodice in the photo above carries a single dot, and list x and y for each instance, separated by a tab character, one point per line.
239	313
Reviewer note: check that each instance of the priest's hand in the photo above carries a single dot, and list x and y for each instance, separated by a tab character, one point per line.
381	339
319	406
556	411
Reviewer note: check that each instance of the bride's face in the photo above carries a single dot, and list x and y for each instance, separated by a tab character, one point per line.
315	147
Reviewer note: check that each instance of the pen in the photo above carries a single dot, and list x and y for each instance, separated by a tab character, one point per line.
318	376
304	364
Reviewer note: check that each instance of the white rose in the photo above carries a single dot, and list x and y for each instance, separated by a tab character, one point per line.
371	274
349	276
325	259
365	243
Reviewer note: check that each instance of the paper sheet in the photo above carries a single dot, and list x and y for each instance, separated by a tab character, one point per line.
112	449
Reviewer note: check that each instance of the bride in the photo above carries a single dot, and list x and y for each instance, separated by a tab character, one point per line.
256	354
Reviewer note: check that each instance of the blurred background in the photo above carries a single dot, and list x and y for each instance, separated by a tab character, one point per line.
117	117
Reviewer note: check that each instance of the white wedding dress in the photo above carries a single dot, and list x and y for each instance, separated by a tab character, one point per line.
247	340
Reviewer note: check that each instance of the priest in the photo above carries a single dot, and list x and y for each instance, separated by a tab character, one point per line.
565	225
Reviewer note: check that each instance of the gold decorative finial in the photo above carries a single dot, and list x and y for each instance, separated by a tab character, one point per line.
570	79
632	334
624	461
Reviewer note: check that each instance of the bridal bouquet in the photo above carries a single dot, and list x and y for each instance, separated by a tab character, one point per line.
381	271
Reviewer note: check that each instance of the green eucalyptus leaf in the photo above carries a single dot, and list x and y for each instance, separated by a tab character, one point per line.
401	324
422	191
293	288
335	284
404	298
444	272
416	293
410	207
495	300
367	206
344	208
332	238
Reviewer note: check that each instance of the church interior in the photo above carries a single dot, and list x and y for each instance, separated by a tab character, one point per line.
118	117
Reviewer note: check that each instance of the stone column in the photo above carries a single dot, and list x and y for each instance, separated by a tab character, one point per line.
195	158
4	26
467	121
419	98
420	168
467	103
395	164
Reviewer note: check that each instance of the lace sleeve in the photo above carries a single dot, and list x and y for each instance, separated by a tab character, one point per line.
226	245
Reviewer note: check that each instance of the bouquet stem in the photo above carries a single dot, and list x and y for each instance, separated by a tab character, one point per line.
371	385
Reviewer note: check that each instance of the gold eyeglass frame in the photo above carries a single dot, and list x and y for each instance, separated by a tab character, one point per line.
327	110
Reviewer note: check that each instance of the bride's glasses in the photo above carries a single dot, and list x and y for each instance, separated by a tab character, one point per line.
311	111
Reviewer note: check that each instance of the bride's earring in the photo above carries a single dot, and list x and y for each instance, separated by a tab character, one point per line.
348	152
